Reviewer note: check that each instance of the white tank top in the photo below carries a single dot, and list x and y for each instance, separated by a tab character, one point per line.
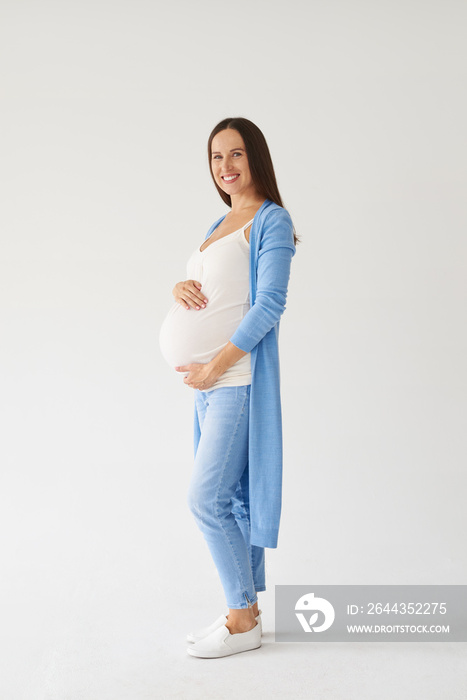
191	335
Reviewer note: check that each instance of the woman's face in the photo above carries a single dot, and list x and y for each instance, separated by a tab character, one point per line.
229	163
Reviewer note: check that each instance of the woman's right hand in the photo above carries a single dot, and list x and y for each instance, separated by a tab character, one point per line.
188	294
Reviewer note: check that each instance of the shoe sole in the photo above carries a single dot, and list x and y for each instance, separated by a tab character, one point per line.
206	655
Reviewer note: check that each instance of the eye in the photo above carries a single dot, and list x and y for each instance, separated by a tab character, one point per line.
214	157
237	153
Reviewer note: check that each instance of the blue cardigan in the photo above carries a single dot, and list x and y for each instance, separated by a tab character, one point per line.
271	251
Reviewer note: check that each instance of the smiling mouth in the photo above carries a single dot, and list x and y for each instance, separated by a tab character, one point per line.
230	178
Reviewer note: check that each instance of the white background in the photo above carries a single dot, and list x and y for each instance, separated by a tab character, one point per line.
106	108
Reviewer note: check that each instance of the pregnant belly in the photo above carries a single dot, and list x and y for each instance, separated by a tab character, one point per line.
188	335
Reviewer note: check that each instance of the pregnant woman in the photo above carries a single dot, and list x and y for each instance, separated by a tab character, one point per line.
222	335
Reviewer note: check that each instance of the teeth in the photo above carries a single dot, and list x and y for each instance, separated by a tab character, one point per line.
230	177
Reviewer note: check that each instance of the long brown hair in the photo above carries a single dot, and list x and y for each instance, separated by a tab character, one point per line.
259	160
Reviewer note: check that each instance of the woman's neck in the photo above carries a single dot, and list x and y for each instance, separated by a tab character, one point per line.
244	202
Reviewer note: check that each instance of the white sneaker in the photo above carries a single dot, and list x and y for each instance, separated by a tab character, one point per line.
221	643
194	637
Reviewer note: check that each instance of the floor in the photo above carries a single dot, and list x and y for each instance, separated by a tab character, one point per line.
112	648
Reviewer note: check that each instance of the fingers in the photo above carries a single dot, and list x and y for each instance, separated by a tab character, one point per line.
193	301
193	289
188	294
186	380
193	383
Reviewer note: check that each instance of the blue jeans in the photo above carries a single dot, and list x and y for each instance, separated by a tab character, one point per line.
218	495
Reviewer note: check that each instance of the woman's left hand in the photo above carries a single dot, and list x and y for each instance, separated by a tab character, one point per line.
199	375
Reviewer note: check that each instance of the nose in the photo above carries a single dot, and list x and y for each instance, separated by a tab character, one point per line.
228	165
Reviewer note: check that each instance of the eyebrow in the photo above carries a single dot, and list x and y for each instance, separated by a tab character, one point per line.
231	150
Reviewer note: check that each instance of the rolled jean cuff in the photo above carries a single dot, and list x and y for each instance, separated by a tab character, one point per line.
244	606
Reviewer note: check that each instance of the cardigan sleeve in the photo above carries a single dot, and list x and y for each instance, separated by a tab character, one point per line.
273	272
